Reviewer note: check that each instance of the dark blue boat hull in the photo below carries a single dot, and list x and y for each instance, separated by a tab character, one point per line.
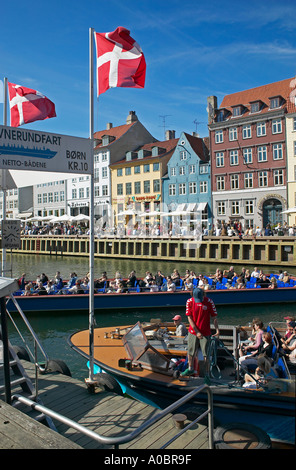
138	300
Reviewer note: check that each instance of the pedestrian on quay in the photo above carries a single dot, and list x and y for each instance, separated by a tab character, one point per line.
200	309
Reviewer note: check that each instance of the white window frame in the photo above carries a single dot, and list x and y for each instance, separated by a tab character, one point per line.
203	187
247	131
221	208
277	151
248	155
219	159
192	187
276	126
248	180
172	189
263	179
249	207
182	189
219	137
220	182
233	156
278	177
261	129
262	153
235	208
234	181
192	169
232	134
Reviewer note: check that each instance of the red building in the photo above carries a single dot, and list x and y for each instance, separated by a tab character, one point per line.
248	155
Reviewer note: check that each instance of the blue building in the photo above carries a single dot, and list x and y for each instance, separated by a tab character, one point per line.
186	188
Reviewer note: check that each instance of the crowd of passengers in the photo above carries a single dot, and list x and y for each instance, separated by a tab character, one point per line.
221	228
226	279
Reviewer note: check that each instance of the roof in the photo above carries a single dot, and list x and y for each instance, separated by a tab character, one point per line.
115	132
199	145
167	145
263	93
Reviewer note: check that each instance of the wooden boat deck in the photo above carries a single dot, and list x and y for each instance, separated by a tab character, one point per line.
111	415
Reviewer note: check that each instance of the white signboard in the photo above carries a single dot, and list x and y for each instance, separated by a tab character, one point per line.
11	233
24	149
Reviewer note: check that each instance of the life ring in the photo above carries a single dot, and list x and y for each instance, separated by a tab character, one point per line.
108	383
22	353
56	365
241	436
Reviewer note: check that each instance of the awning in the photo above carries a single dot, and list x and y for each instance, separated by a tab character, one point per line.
191	207
290	211
201	206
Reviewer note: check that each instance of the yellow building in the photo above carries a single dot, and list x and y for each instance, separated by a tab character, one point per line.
136	185
291	162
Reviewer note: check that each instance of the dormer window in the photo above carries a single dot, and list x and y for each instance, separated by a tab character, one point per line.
107	139
275	102
255	107
237	111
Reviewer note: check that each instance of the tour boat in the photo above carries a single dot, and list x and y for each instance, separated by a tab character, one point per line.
142	360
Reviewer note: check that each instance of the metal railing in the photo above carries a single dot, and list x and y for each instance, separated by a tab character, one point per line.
116	441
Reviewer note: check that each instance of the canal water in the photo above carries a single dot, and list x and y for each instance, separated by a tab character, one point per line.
53	330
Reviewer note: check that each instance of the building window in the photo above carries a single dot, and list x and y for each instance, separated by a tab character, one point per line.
182	189
62	196
203	169
263	178
219	159
137	169
237	111
192	187
277	151
128	188
105	190
249	207
137	187
192	169
262	154
182	170
248	179
234	181
172	190
294	148
173	171
104	156
234	207
156	166
97	174
104	172
255	107
294	124
248	157
220	183
274	103
50	197
203	187
128	171
119	171
261	129
119	189
278	177
276	126
81	193
97	191
39	198
156	185
55	197
233	157
221	209
146	168
247	131
74	193
218	137
147	186
232	133
183	155
87	192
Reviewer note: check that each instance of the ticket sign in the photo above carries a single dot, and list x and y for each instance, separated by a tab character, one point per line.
24	149
11	233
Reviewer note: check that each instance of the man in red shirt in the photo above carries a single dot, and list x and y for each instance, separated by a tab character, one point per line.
200	310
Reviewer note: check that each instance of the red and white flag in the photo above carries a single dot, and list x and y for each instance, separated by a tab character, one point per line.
27	105
120	61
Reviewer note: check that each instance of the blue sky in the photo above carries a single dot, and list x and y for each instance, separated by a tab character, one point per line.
192	49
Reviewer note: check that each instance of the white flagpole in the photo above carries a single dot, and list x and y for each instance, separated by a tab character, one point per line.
4	175
91	223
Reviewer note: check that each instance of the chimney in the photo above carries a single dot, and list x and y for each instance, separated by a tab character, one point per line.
109	126
211	108
132	117
169	135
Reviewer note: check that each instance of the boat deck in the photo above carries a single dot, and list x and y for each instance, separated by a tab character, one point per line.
110	415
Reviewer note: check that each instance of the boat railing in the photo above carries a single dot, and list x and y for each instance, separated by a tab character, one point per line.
37	343
117	441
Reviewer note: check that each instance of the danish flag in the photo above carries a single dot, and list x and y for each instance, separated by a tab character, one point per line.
27	105
120	61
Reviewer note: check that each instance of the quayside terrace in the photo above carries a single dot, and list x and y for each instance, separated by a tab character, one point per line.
268	251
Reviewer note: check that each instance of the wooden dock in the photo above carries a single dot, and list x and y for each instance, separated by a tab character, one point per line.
105	413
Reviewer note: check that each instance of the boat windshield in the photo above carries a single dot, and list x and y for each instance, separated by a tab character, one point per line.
139	349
